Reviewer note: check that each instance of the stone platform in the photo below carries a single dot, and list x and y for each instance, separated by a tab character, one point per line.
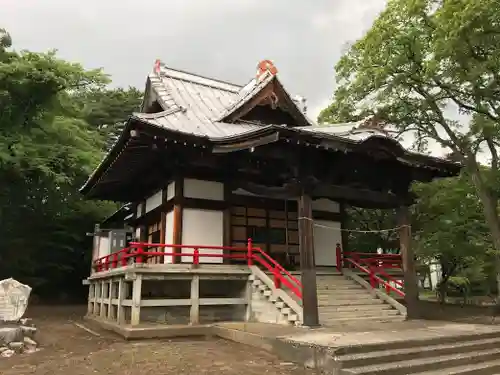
322	348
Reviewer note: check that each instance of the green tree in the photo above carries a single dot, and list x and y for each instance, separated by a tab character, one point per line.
47	150
108	109
450	228
421	64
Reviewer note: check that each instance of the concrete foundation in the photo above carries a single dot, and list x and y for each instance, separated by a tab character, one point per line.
169	294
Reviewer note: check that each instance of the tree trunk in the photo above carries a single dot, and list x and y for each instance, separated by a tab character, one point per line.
490	208
442	288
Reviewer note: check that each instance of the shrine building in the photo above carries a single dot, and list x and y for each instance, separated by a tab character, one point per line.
221	182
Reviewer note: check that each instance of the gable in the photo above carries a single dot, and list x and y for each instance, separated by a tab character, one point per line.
264	100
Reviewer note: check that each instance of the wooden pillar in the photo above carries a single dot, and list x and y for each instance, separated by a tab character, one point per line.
111	295
343	225
97	291
177	217
307	264
163	225
227	236
194	313
135	315
409	269
122	294
103	295
95	250
90	304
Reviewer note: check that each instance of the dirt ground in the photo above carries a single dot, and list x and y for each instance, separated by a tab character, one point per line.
70	350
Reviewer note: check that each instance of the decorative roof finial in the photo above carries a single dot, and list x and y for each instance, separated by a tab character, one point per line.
157	66
373	122
266	66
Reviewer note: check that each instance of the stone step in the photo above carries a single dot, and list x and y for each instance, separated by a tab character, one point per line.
349	302
484	368
359	314
330	322
342	287
414	366
347	298
344	293
334	281
386	356
354	308
416	343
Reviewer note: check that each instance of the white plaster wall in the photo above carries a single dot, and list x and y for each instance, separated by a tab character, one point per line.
203	189
154	201
326	236
138	233
202	227
103	247
169	235
325	205
170	191
139	210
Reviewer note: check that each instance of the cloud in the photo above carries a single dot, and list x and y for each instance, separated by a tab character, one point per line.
220	38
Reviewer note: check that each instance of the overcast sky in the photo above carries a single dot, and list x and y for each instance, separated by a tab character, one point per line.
223	39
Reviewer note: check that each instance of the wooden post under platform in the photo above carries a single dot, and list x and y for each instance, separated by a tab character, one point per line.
409	269
307	264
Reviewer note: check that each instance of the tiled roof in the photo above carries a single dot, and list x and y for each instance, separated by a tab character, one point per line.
195	105
349	130
247	93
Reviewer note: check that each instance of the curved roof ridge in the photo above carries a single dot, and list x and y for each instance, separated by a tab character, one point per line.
156	115
199	79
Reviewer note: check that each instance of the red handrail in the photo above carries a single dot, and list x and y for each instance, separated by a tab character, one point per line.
383	261
290	281
374	278
138	251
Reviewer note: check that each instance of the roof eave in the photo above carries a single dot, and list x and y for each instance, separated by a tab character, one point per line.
110	156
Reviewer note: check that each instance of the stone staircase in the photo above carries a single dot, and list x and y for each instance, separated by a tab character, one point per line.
477	354
269	304
342	300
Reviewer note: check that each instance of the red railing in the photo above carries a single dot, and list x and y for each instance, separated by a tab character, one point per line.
379	261
374	265
375	280
138	252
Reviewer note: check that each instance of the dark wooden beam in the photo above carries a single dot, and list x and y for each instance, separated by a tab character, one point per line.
177	217
226	221
409	269
361	197
307	263
163	221
343	225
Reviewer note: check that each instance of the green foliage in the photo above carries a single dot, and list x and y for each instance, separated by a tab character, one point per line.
375	222
421	67
50	140
108	109
450	228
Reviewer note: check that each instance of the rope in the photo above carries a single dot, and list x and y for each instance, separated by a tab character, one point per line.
354	230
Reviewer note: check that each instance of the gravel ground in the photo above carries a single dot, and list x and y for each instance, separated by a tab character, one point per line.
70	350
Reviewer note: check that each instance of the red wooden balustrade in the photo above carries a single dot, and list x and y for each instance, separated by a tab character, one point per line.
138	252
374	265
